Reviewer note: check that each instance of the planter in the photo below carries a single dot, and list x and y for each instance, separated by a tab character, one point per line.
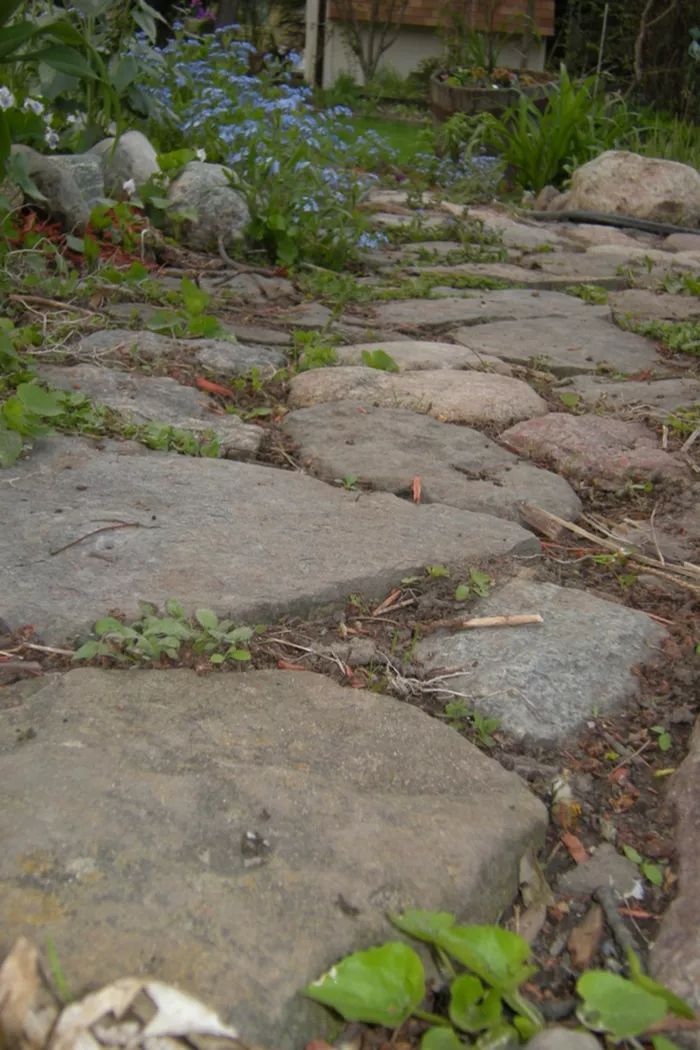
447	99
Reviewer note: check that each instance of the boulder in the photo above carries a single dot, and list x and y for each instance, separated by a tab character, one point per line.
133	157
72	185
625	183
221	212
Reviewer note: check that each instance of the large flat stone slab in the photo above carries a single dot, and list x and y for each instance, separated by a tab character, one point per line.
543	681
453	397
512	304
413	355
563	345
244	540
595	448
222	356
661	396
143	399
388	447
655	306
124	817
675	957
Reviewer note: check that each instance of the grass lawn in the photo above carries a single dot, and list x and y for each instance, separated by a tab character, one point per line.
403	136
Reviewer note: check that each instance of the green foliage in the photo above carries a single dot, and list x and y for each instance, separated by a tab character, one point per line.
684	420
682	284
381	985
479	584
153	637
385	985
464	716
24	415
648	868
189	321
379	359
311	350
683	337
590	293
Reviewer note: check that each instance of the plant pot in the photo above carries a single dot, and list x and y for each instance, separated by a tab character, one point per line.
448	99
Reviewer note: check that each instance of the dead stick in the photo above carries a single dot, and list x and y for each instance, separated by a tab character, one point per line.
105	528
40	300
686	569
517	620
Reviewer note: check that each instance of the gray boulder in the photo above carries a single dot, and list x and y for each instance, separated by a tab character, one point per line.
72	185
221	211
133	157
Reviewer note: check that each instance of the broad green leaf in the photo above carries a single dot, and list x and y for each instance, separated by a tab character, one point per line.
18	172
166	625
502	1037
195	300
631	854
11	445
675	1004
481	582
65	60
613	1004
379	359
217	658
174	609
207	619
175	159
569	399
652	872
239	634
240	655
87	650
462	593
441	1037
498	956
423	925
660	1042
75	244
41	402
380	986
469	1008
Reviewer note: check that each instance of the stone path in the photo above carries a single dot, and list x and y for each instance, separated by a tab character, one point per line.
239	833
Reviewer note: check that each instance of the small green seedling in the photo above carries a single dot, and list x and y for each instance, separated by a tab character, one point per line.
349	482
479	584
437	571
652	872
463	716
663	738
569	399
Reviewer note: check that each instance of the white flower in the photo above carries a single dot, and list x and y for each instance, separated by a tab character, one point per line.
34	105
129	187
200	154
7	99
71	118
50	138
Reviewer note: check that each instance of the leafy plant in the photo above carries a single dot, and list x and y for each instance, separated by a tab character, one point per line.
681	337
464	716
437	572
311	350
479	583
379	359
664	740
590	293
190	320
153	637
648	868
24	415
386	985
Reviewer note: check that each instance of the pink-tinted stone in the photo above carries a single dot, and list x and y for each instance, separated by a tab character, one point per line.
594	448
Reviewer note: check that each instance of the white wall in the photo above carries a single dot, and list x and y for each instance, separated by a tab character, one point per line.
413	44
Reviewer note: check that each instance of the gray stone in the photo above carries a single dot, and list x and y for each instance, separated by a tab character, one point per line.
675	957
143	399
683	242
605	867
130	804
543	681
661	396
650	306
589	235
513	304
133	158
563	1039
72	185
414	356
515	234
595	448
563	345
221	212
646	187
388	447
452	397
247	541
219	355
253	333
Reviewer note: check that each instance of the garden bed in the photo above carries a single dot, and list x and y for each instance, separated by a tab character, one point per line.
447	98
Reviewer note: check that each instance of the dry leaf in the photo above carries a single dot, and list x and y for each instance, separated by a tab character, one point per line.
180	1014
584	939
574	846
416	489
19	984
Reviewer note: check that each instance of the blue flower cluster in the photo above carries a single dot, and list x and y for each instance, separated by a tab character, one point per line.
303	171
